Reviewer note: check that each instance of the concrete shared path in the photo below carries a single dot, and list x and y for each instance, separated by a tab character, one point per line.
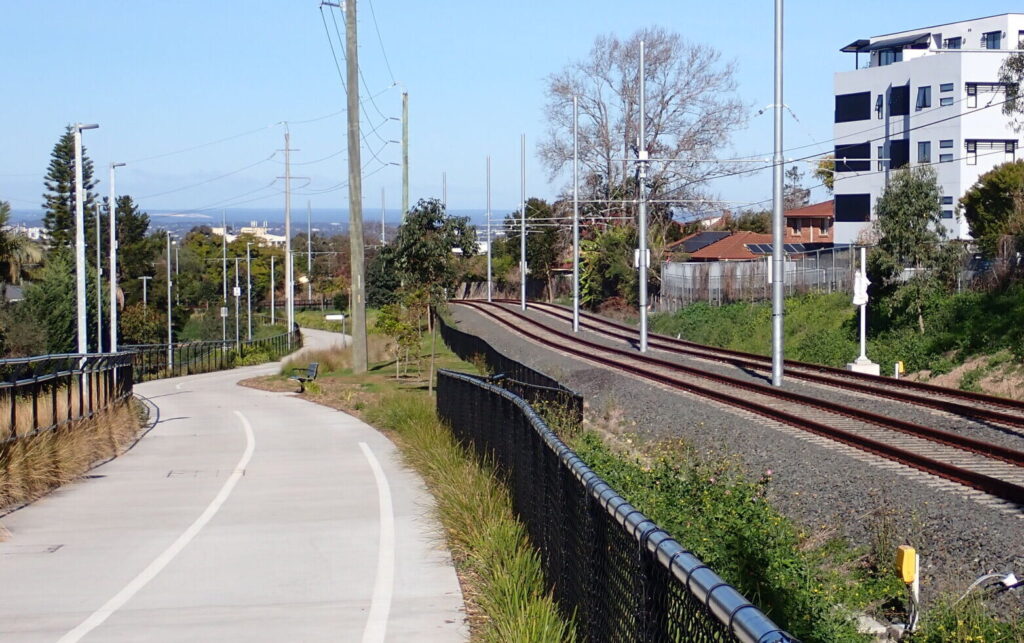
243	515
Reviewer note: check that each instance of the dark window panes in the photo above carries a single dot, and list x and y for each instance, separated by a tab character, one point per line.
991	40
953	43
947	200
855	151
899	153
853	207
947	214
946	144
945	158
946	87
946	101
853	107
899	101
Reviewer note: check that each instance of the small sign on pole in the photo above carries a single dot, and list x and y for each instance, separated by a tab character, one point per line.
223	311
237	291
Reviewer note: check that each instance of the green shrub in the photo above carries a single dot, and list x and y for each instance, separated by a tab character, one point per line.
968	620
724	519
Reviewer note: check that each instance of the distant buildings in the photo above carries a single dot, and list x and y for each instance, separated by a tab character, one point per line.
31	232
261	232
926	96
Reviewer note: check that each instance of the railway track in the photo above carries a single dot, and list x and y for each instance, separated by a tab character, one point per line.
976	406
990	468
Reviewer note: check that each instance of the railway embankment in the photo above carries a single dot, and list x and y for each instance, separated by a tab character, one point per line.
836	496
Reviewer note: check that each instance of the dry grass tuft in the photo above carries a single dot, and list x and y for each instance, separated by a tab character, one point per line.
32	466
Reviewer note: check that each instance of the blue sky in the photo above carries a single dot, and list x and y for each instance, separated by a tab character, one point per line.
164	76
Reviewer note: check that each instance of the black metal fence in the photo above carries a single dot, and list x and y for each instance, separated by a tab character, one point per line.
39	394
155	361
623	577
528	383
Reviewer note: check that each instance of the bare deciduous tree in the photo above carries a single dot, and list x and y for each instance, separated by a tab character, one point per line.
691	112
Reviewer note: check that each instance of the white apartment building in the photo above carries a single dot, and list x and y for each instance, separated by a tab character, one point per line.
925	96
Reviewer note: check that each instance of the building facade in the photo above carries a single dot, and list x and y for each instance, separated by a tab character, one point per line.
928	96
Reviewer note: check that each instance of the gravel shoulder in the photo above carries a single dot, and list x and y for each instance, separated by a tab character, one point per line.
829	489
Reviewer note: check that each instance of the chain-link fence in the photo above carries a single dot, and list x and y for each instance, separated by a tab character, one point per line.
722	282
621	576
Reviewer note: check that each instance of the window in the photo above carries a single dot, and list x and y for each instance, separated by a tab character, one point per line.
991	148
797	225
899	101
846	155
924	97
881	158
990	40
946	101
853	207
1020	39
853	107
947	200
953	43
946	144
947	214
823	226
972	95
899	153
946	87
879	105
924	151
889	56
945	158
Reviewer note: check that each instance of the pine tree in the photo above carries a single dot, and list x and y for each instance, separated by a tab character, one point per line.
59	198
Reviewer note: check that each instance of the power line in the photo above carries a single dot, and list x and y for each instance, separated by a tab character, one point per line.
216	178
387	63
201	145
817	155
337	66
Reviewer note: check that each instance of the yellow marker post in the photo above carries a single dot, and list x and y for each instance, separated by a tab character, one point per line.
906	563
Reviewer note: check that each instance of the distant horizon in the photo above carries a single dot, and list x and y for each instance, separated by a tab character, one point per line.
237	217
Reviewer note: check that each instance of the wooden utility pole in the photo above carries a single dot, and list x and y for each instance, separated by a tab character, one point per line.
355	194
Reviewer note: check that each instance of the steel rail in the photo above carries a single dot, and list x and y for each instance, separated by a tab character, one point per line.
973	479
825	375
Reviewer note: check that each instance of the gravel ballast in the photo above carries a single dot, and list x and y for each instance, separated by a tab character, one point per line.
828	488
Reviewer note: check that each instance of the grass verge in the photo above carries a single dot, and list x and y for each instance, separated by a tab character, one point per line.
32	466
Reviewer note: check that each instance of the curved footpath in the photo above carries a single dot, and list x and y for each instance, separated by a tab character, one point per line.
244	515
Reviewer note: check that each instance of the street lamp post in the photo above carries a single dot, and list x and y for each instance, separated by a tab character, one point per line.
248	289
271	290
145	302
99	285
170	337
112	204
177	265
83	339
238	295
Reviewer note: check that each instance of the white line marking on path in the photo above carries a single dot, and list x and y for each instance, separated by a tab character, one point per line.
161	561
383	586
